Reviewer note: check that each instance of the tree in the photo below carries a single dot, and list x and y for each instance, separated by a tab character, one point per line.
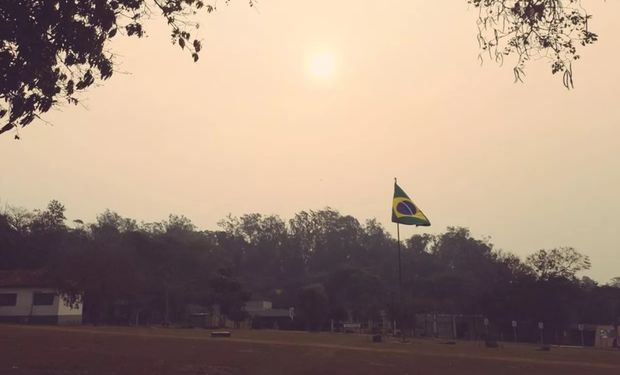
51	50
355	291
111	221
229	295
19	218
47	233
313	306
563	262
468	270
533	29
52	219
588	283
615	282
323	263
11	243
326	238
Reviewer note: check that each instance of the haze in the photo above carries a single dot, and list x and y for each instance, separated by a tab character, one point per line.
304	105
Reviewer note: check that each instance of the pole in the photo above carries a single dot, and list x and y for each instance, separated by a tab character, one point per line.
400	276
514	333
167	305
400	310
400	283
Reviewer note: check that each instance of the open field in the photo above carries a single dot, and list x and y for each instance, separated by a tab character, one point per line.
34	350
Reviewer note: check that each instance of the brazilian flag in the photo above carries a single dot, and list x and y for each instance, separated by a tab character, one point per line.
404	211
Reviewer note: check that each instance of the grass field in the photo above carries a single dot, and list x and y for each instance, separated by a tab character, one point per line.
36	350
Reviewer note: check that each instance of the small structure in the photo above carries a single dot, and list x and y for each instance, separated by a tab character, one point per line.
605	336
597	335
452	326
211	317
263	315
26	297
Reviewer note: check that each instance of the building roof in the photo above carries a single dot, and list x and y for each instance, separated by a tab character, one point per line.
23	278
257	305
272	313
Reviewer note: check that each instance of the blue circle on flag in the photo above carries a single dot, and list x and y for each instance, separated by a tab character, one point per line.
406	208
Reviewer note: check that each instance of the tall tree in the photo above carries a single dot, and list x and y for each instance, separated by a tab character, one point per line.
51	219
11	243
324	263
615	282
313	306
562	262
229	295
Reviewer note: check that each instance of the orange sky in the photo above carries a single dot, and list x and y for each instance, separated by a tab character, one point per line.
251	127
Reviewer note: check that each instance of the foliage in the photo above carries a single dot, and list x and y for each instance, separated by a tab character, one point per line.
313	306
51	50
615	282
563	262
325	264
534	29
229	295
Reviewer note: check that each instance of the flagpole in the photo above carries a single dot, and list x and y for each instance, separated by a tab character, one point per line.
404	211
400	283
400	278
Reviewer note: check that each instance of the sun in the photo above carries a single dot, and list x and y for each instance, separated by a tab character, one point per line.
322	65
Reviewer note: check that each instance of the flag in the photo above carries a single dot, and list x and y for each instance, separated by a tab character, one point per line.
404	211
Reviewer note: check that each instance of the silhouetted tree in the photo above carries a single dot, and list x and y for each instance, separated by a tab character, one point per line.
11	244
313	306
356	292
229	295
533	29
615	282
51	50
563	262
323	263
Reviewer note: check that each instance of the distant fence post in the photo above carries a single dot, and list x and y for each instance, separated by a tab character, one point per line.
454	327
486	328
514	330
541	327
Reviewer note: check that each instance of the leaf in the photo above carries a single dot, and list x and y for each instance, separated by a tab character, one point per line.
27	120
7	127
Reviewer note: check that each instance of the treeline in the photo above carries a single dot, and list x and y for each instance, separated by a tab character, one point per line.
326	264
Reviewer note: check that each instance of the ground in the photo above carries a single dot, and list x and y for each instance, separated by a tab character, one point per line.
38	350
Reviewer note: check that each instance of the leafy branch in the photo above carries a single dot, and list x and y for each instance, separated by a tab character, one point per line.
533	30
51	50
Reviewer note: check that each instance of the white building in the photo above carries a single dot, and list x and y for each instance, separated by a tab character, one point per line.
25	298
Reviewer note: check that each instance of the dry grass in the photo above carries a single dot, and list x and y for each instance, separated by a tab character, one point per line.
30	350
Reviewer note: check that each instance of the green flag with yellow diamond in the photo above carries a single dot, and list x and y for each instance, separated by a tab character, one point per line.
404	211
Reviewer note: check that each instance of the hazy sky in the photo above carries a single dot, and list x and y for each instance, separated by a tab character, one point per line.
302	105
